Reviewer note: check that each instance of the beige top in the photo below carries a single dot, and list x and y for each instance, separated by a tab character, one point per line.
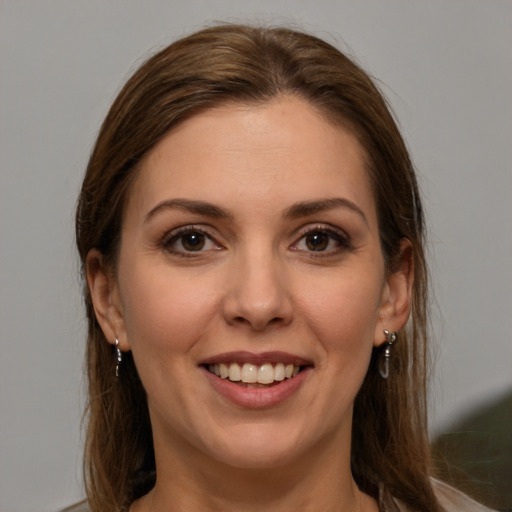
451	499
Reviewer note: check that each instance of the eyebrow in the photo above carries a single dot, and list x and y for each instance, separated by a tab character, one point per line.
302	209
306	208
190	205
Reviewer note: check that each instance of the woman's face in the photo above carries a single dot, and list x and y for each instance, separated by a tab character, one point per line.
250	244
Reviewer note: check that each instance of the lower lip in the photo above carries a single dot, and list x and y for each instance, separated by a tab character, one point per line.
257	398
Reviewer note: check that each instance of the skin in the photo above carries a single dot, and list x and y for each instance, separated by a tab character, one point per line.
257	285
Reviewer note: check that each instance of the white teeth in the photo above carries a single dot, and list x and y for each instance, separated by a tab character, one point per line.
235	372
223	370
253	374
279	372
266	374
249	373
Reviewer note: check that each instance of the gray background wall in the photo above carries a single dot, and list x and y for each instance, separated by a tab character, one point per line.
446	67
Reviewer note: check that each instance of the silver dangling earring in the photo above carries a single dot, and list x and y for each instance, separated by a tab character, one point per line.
384	356
119	358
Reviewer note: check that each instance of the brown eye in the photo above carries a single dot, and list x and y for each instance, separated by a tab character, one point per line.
193	241
188	241
326	241
317	241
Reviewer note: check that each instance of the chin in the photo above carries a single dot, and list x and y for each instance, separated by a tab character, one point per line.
261	447
253	458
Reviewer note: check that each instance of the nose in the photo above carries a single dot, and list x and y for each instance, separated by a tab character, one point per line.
258	294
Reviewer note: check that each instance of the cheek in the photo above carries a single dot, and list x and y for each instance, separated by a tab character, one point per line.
343	313
165	311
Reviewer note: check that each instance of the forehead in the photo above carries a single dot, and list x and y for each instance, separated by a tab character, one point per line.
277	152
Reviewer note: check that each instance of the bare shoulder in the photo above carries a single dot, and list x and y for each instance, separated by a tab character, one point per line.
455	501
77	507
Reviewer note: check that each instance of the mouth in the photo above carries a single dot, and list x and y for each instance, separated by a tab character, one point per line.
249	370
257	380
250	375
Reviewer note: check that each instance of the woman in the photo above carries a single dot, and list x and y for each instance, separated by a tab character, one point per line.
252	237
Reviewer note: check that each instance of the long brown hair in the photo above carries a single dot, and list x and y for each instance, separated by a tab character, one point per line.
234	63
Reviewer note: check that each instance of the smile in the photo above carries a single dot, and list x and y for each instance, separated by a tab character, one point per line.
254	375
259	380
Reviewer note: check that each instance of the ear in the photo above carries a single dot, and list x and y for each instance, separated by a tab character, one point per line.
105	298
395	303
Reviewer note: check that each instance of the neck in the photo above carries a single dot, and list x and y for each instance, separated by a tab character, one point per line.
320	480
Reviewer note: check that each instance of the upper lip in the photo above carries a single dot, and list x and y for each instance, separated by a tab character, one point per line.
257	359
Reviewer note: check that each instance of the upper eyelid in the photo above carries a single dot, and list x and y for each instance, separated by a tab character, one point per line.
189	228
321	226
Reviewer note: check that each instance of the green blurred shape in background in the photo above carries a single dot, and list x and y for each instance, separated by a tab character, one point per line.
475	455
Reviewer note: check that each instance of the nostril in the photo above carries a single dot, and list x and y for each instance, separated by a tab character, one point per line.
257	323
257	310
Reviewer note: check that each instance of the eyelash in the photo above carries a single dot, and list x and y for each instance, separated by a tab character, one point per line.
175	235
339	237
